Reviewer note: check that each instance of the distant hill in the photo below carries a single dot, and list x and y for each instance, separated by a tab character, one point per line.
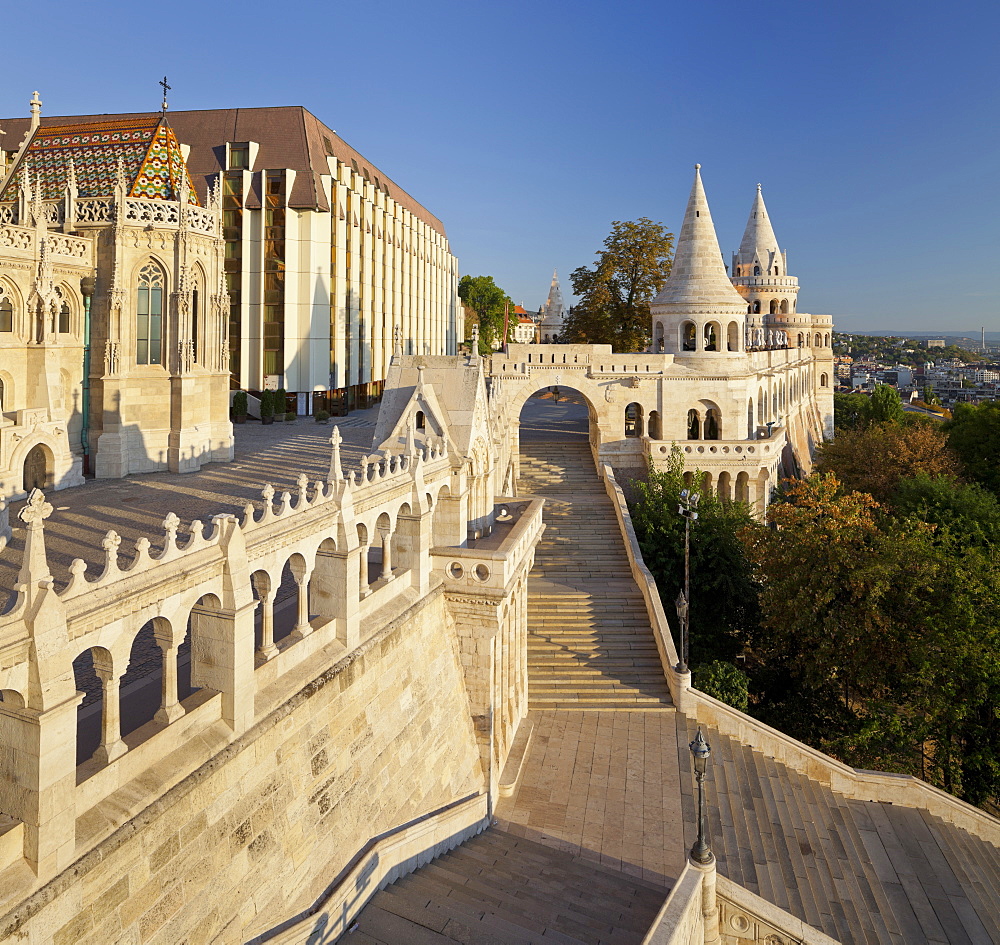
956	336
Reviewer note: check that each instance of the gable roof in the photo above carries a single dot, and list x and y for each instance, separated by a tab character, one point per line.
145	147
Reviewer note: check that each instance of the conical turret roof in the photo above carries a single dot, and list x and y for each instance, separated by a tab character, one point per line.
698	276
759	241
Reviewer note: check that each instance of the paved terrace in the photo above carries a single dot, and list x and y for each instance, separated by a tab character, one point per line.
136	506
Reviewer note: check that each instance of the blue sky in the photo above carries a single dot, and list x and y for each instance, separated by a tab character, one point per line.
529	127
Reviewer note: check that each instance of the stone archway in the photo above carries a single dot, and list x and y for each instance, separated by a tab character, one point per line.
37	469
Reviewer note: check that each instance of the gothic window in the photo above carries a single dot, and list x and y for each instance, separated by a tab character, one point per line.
63	316
774	306
6	311
777	271
784	306
149	315
756	270
194	324
756	307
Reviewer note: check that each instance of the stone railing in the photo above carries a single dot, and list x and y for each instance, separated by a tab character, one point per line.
382	861
217	587
94	210
851	782
704	907
17	238
20	241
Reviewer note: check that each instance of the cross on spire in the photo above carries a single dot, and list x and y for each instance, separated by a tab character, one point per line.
166	88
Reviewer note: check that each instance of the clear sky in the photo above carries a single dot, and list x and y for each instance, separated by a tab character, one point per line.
529	127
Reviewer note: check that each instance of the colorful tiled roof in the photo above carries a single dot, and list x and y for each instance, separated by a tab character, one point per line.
146	147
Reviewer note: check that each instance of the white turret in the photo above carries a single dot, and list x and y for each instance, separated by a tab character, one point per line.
760	275
698	314
552	313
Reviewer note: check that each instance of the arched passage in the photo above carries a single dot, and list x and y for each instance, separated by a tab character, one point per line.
38	468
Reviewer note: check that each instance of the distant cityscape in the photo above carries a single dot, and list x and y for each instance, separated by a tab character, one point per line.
927	368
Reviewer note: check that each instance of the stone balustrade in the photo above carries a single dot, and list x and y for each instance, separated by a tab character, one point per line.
210	593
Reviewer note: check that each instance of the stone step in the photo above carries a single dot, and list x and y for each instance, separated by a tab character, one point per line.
497	889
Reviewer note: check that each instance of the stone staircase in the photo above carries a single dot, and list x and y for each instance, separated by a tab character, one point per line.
590	645
863	872
498	888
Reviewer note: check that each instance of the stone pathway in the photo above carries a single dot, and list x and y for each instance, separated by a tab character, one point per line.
499	888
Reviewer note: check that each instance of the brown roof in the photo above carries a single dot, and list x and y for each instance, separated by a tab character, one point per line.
289	137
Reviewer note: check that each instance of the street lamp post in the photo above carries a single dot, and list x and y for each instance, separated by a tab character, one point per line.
688	508
701	852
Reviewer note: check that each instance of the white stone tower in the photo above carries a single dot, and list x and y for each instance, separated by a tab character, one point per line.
760	275
698	315
553	312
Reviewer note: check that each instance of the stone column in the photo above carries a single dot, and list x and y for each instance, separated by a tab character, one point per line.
170	709
386	535
267	648
111	746
363	587
302	626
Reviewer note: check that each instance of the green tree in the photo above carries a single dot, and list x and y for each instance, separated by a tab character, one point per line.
484	297
878	638
723	607
615	294
850	411
723	681
964	512
885	405
876	458
974	434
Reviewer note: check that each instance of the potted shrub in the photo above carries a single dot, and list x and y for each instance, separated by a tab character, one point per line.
321	416
290	414
240	407
280	402
266	407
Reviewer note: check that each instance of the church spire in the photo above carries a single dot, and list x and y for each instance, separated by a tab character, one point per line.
698	276
759	247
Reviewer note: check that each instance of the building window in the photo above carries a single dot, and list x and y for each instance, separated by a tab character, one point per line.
194	325
232	232
6	312
149	315
274	273
239	157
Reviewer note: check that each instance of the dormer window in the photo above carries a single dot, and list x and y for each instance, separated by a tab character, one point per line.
239	157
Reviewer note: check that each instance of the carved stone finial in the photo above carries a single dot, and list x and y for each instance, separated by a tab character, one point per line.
110	545
171	523
336	473
268	493
36	110
36	509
